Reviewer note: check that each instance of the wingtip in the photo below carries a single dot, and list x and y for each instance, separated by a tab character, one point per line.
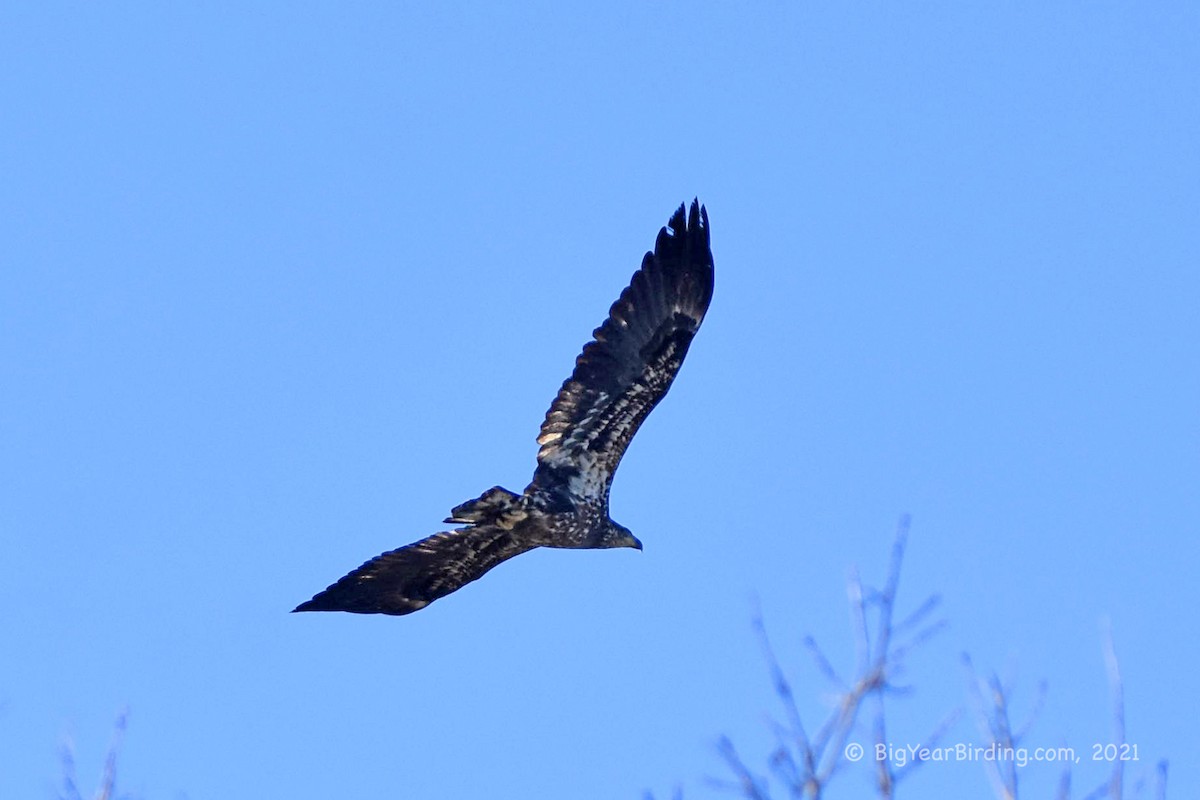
307	605
688	218
319	602
678	221
698	216
687	230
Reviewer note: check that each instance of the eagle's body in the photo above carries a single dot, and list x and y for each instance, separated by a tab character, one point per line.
618	379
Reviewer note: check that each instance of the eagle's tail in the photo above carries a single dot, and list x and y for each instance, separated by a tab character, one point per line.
485	508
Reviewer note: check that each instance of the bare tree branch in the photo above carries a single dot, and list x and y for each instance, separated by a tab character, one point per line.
805	765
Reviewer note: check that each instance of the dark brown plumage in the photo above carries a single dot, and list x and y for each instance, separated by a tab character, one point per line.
620	376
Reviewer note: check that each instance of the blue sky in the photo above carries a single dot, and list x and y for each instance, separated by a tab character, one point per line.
282	283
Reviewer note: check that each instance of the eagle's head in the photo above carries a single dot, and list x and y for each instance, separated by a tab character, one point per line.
618	535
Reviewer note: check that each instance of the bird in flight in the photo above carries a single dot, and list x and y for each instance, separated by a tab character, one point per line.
620	376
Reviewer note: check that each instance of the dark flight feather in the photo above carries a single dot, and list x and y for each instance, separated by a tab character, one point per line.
412	577
618	379
625	371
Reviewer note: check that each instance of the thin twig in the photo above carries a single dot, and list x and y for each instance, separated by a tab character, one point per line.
1039	703
943	727
1160	783
1117	691
918	639
823	664
784	690
925	609
70	786
108	780
986	714
749	785
1064	784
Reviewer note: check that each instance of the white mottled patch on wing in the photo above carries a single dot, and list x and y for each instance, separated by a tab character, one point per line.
560	458
584	430
589	482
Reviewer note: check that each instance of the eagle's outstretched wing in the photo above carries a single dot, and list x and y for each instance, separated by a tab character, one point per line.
622	374
406	580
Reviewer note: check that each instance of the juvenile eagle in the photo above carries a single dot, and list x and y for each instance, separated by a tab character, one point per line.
619	378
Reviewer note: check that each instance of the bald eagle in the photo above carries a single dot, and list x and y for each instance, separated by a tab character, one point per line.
620	376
